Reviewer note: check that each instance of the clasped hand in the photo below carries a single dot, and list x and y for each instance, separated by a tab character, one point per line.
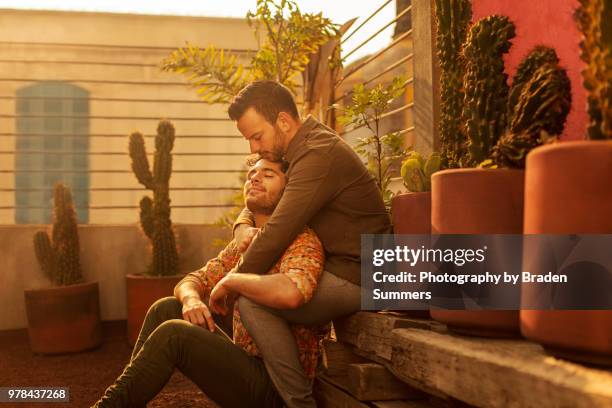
222	298
196	312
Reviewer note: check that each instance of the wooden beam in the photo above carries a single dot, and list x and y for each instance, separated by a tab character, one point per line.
481	372
496	373
328	395
431	402
337	356
371	381
371	333
401	404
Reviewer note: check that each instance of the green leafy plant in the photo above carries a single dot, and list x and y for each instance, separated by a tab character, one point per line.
218	76
594	19
59	256
453	19
381	152
416	172
290	37
155	213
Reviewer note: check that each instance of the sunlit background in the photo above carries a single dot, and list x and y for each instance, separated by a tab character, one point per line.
99	60
338	11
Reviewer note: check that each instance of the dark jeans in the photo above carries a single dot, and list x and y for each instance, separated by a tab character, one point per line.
222	370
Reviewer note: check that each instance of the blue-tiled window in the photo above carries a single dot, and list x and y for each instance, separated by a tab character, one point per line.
60	130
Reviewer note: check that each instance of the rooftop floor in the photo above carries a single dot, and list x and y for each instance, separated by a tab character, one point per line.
87	374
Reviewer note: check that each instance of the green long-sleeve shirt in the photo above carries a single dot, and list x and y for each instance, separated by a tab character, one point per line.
329	189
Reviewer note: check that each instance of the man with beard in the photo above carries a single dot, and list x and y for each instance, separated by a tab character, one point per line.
329	189
180	332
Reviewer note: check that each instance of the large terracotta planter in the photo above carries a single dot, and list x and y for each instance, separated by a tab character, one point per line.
64	319
142	292
478	201
568	190
411	214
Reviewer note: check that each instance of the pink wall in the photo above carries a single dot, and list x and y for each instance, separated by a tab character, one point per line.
551	23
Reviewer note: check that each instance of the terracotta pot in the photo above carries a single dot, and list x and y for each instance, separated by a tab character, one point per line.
568	190
64	319
411	214
142	292
478	201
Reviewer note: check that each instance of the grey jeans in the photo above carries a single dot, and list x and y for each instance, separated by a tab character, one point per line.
269	328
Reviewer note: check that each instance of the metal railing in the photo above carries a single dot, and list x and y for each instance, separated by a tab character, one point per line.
381	70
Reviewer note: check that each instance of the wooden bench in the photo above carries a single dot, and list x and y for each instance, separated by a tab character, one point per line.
438	368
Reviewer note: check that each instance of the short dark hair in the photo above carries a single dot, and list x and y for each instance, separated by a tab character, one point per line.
268	98
254	158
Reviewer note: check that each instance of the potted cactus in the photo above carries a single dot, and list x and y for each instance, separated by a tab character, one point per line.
162	274
499	125
568	191
66	317
476	200
411	211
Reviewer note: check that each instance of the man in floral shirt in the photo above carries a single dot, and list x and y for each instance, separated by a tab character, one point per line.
180	332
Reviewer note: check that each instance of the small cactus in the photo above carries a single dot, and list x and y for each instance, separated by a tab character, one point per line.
544	102
594	19
416	172
486	90
538	56
453	19
155	213
59	257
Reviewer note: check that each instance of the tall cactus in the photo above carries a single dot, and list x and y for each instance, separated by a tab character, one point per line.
594	19
453	18
539	102
155	213
485	84
59	257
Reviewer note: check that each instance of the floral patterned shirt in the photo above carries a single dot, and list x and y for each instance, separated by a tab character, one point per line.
302	263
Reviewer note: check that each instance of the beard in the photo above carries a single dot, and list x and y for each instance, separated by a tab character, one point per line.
262	204
277	152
